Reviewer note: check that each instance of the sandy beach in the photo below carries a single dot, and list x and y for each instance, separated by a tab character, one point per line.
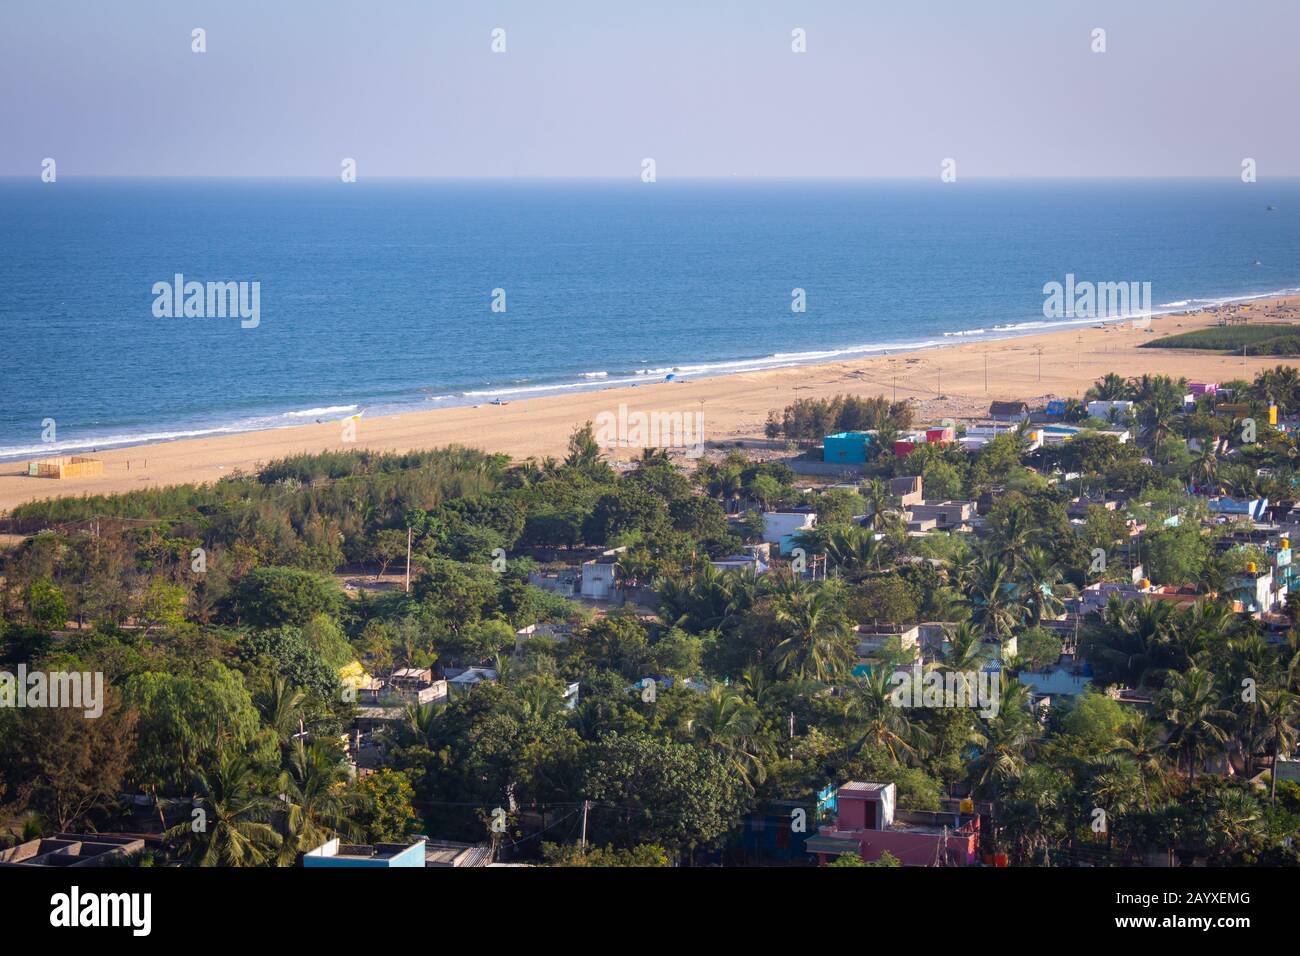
952	381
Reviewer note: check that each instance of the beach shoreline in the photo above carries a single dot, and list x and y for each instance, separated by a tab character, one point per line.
954	379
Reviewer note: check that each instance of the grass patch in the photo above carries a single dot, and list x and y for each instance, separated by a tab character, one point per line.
1256	339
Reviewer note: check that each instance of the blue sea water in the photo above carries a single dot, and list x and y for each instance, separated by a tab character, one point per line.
377	294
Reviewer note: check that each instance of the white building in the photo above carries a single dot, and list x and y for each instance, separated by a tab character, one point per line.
600	576
1123	410
779	527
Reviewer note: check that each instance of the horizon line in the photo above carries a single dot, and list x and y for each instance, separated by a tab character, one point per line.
634	178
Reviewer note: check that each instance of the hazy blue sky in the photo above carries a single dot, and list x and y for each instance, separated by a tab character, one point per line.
589	87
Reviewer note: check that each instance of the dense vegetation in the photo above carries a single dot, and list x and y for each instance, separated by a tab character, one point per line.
1255	339
226	694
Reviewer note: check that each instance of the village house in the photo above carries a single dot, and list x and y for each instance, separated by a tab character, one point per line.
1009	411
848	448
600	576
780	527
65	850
945	515
745	563
907	490
868	824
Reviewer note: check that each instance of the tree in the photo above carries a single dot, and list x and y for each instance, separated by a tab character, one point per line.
1198	724
383	806
230	825
389	546
163	604
992	599
64	765
817	642
655	791
644	855
1282	722
271	597
46	605
184	720
316	804
848	859
584	455
728	725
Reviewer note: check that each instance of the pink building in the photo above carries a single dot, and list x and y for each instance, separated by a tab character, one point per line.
868	824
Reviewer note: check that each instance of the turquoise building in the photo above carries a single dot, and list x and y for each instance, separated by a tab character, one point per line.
846	448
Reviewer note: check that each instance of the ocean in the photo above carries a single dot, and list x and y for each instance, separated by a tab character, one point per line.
378	295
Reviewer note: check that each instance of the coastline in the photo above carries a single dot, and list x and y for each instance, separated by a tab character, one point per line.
952	379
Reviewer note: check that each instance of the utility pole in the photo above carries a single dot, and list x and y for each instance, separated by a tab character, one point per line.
409	531
583	843
986	371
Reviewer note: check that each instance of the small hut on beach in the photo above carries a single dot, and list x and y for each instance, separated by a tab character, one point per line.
75	466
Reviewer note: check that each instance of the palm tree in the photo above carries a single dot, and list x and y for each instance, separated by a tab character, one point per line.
966	651
312	791
1206	465
231	825
1158	414
1042	580
992	600
1010	542
855	549
1198	723
1109	388
650	457
876	494
817	644
1139	740
727	724
1282	725
884	724
282	708
1003	756
422	722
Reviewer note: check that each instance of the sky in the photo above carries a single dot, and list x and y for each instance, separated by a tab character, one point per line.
707	88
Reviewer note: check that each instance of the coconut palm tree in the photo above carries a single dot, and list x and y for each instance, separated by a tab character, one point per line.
1158	414
966	650
1198	724
281	708
1281	711
1110	388
231	825
421	723
856	550
650	457
1206	466
883	723
1139	740
1042	578
312	789
1003	756
992	600
817	644
1010	543
876	494
728	724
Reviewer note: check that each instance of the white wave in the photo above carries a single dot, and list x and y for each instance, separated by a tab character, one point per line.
323	410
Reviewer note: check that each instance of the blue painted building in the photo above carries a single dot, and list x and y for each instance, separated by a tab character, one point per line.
380	855
846	448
